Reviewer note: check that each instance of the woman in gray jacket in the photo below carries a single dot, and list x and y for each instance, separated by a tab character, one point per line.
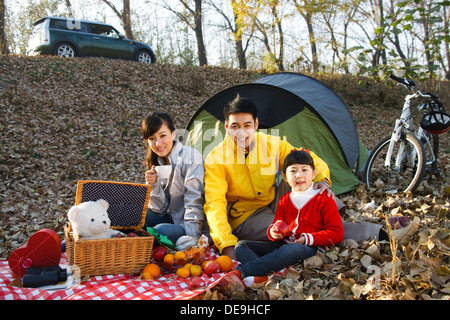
176	203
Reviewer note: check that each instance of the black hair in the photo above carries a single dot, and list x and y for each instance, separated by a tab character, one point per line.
298	157
240	105
150	125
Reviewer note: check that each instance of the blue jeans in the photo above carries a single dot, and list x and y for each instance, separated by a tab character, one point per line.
164	225
259	258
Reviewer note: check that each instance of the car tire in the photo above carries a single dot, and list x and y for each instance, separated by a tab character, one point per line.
144	56
65	50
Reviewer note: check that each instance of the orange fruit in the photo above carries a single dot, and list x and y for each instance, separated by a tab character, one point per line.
225	263
183	273
180	257
188	266
195	270
151	271
169	258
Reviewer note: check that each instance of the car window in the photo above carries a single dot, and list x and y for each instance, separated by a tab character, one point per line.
59	24
103	30
83	27
70	24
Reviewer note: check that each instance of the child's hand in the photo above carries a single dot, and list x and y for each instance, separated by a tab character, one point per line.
300	240
150	176
275	234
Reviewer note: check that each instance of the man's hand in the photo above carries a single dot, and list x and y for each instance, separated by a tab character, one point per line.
229	251
323	185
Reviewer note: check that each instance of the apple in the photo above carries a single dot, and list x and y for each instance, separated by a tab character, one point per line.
281	227
211	267
158	253
195	283
132	234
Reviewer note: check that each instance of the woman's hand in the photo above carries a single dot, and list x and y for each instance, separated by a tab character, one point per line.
150	176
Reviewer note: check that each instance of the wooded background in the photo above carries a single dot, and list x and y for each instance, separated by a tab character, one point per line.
360	37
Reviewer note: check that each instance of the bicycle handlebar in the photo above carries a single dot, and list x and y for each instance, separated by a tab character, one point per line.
408	83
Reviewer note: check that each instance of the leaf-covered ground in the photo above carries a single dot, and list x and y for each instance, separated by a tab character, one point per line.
69	120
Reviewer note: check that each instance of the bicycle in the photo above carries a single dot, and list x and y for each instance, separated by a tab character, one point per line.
399	162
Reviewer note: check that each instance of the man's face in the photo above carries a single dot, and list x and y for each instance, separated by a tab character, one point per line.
241	127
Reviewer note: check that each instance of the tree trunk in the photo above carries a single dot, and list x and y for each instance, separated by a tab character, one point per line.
380	52
446	46
69	7
3	42
126	20
312	42
125	17
198	29
279	60
427	41
238	38
307	15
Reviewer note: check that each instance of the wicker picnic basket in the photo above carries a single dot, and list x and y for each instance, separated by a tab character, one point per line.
127	209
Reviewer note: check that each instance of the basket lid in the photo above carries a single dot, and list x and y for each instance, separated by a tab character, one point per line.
127	201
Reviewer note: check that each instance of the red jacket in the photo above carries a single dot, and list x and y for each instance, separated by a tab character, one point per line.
318	220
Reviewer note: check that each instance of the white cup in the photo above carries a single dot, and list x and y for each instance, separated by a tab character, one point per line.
163	172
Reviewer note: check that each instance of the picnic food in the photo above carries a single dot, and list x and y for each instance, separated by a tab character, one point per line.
151	271
168	261
196	254
225	263
180	257
158	253
211	267
203	264
282	227
195	270
183	273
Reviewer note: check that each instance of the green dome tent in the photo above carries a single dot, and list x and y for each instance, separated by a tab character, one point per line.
297	108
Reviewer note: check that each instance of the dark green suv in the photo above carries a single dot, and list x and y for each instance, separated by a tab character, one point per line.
69	38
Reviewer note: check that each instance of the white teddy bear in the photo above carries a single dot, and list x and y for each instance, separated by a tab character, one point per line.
90	220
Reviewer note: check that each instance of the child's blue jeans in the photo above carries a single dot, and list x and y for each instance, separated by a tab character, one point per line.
259	258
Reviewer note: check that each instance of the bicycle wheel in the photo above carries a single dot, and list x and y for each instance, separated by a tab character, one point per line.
401	177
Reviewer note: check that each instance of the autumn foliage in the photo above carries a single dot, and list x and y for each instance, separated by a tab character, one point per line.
69	120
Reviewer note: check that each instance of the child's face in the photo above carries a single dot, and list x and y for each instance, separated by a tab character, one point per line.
299	176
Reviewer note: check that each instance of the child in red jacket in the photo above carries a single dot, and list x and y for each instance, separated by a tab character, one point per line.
312	219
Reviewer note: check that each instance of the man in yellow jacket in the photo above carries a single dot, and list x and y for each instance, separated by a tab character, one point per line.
240	179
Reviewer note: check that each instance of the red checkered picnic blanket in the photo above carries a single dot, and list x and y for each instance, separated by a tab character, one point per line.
110	287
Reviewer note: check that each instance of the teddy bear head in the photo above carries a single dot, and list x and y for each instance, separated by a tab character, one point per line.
90	219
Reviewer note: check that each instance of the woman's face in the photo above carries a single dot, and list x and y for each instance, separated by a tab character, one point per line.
161	142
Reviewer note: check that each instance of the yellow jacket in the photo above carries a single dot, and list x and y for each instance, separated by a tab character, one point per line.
236	186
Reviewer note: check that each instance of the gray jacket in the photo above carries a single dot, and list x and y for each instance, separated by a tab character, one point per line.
183	196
